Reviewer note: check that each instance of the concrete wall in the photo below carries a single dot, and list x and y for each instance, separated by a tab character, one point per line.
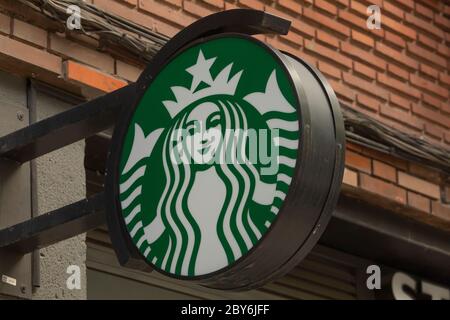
61	181
15	194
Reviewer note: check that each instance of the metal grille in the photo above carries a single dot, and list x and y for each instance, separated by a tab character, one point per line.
318	277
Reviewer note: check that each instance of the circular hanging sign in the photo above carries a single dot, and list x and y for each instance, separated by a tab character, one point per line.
227	168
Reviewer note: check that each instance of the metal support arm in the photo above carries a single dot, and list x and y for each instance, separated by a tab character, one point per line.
65	128
58	225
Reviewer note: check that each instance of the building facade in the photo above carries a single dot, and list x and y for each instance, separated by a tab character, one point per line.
394	210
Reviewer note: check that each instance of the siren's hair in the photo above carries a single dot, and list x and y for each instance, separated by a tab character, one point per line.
235	228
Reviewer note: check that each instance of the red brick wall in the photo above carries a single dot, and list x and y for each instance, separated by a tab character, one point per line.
396	183
398	75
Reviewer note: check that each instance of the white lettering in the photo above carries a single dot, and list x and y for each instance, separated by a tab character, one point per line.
74	280
74	19
374	20
374	280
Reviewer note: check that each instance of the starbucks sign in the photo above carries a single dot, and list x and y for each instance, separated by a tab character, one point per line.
226	169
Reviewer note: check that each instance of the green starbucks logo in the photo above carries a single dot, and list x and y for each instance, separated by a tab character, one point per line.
209	156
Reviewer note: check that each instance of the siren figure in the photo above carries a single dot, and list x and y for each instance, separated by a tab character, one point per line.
202	190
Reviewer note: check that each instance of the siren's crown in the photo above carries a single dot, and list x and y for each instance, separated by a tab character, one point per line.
271	99
222	84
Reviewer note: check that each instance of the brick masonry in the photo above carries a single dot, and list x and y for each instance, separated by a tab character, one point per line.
398	75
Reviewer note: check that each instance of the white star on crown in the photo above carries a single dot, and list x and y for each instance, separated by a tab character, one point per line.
222	84
200	71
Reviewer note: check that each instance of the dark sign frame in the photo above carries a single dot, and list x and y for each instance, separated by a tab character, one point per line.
318	174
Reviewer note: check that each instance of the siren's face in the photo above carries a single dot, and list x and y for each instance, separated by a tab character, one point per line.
192	201
203	134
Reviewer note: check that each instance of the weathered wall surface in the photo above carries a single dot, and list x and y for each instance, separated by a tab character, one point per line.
15	193
61	181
